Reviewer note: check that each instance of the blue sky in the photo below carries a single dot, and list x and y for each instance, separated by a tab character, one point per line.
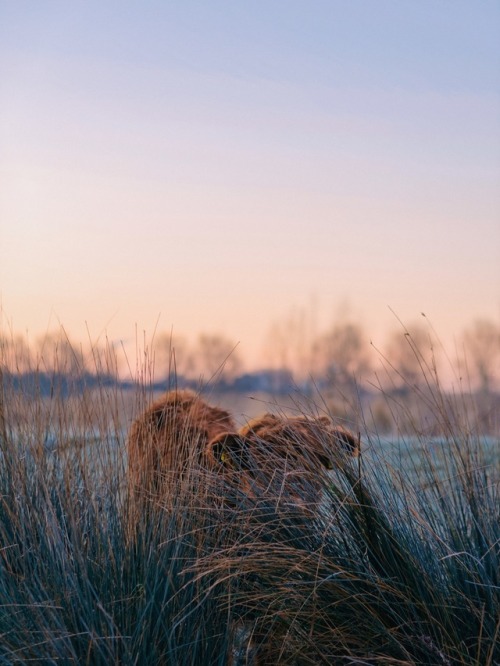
214	165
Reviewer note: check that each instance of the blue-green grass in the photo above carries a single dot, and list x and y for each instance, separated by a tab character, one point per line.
403	566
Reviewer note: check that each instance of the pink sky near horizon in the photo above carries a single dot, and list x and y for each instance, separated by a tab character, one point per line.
207	168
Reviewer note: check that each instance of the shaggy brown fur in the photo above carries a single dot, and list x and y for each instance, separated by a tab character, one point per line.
284	460
283	456
276	457
170	435
319	439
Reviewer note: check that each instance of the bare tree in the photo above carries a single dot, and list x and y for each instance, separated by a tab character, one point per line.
277	351
342	355
58	354
216	357
482	348
172	356
410	357
15	354
103	359
289	342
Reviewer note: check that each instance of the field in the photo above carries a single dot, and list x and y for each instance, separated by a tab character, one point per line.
403	568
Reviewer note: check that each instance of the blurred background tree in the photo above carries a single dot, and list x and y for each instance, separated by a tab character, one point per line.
342	356
410	358
57	354
482	351
15	354
217	358
173	357
289	343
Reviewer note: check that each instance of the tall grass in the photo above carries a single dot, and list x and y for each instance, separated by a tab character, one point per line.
401	567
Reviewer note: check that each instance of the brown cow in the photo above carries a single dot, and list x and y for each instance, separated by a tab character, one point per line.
279	458
284	457
286	461
169	436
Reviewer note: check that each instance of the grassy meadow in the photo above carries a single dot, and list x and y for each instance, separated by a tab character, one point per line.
403	568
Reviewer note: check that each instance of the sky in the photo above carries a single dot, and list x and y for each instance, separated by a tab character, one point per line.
214	166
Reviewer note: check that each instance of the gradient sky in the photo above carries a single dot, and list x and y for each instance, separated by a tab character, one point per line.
211	165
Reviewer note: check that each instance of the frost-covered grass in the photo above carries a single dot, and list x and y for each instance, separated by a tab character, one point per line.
405	570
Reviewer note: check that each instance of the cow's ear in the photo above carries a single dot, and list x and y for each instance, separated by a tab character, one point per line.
228	450
348	441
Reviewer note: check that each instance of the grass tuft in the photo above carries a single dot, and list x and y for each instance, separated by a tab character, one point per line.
400	566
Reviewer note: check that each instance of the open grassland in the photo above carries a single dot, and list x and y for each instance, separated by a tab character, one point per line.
402	568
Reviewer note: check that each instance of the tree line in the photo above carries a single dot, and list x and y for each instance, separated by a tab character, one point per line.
343	355
340	364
